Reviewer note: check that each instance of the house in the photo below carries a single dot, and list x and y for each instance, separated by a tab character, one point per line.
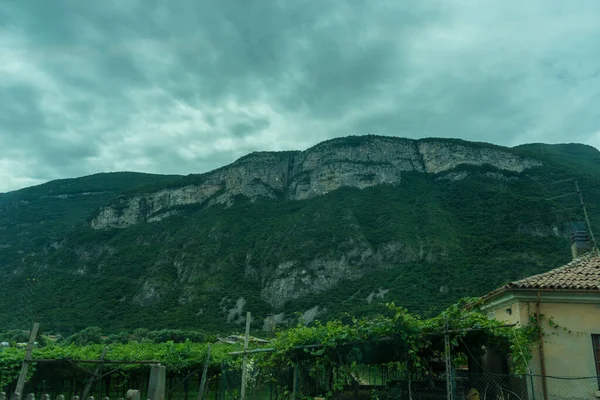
565	303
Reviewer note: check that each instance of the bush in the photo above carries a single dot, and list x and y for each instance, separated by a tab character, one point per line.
89	335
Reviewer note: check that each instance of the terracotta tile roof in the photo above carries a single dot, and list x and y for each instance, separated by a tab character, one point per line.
582	273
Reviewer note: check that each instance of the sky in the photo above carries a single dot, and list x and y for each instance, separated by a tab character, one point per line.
186	86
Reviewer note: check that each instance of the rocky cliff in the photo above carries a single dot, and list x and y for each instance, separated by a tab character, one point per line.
344	226
349	162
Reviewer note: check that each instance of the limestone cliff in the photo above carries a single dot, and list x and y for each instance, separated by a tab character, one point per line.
344	226
355	162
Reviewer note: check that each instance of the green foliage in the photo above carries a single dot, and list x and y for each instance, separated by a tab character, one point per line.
176	336
89	335
14	336
414	340
396	338
177	357
20	336
10	365
427	241
580	158
159	336
94	335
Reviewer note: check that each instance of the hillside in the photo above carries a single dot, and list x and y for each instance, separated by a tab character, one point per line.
339	227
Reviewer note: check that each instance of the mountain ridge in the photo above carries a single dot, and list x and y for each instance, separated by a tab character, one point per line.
527	147
354	161
422	240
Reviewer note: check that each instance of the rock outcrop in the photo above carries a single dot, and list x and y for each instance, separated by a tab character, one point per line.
358	162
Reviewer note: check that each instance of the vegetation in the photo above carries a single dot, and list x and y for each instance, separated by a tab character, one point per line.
579	158
177	357
425	243
397	337
404	338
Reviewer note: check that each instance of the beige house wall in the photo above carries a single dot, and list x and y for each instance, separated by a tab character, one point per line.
567	353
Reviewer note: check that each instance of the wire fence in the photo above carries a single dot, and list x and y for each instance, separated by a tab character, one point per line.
560	388
310	381
380	383
357	382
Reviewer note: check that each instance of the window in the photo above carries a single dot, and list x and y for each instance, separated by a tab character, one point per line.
596	346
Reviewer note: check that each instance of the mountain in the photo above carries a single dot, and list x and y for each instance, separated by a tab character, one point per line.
341	227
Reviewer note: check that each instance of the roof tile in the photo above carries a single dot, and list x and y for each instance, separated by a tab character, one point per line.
582	273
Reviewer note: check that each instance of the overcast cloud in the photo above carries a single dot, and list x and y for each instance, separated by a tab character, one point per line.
187	86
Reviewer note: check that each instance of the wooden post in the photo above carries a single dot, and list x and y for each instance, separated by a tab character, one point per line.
60	397
26	360
245	361
204	372
88	385
46	397
2	396
157	382
75	398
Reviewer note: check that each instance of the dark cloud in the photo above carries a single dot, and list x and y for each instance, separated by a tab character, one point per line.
187	86
252	126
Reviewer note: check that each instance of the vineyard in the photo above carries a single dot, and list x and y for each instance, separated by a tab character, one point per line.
318	360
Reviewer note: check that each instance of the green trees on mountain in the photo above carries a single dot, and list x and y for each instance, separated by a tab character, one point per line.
423	244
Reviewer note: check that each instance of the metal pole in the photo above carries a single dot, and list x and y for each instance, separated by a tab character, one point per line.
245	362
541	339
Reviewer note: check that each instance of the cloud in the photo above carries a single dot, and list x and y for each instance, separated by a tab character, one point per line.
189	86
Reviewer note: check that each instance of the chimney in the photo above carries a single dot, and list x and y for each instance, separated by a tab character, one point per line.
580	243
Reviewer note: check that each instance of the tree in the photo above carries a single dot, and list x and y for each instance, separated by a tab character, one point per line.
89	335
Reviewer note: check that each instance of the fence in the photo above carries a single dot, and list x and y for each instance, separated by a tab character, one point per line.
53	381
131	395
379	382
382	383
562	388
